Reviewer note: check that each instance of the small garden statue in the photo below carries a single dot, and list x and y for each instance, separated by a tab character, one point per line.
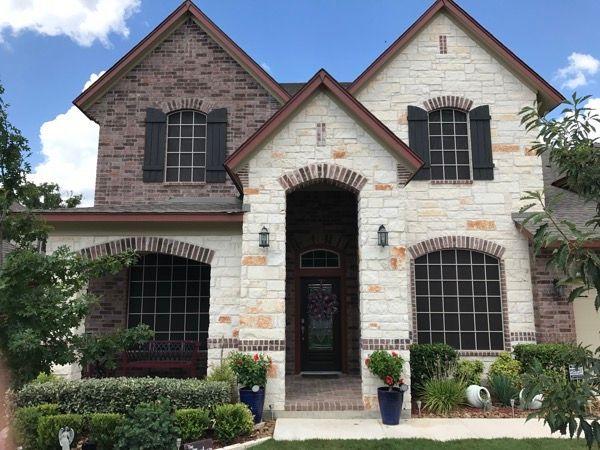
388	368
65	437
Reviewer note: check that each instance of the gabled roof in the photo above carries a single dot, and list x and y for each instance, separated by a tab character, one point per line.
322	80
550	97
147	44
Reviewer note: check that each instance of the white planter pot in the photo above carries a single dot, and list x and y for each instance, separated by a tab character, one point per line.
536	402
477	396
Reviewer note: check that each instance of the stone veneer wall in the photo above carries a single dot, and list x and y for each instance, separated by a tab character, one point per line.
418	75
324	219
187	67
554	316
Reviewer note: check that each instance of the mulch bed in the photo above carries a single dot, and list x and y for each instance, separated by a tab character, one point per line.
468	412
262	430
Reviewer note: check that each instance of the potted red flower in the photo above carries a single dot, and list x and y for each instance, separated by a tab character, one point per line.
388	368
251	372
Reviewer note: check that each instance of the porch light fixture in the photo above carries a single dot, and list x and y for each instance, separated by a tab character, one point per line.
382	236
263	237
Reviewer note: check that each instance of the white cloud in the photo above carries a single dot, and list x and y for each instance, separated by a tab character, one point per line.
594	105
265	66
580	67
70	148
83	21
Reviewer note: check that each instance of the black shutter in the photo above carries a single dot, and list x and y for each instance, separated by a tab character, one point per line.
481	143
216	145
418	139
154	150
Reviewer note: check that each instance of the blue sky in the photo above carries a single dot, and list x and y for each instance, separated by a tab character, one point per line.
42	74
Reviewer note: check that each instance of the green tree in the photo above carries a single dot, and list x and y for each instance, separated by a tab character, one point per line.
574	152
42	303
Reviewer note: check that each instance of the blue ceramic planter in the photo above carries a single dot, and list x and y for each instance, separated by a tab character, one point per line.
390	404
255	401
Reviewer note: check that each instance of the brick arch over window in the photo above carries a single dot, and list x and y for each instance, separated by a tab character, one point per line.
194	103
465	243
152	245
323	173
448	101
459	242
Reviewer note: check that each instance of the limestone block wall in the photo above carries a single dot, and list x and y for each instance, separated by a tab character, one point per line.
383	279
224	241
480	209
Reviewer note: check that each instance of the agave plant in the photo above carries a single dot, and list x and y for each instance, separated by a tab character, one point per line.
503	388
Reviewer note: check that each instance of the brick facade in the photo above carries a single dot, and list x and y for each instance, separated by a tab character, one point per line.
187	68
110	312
554	316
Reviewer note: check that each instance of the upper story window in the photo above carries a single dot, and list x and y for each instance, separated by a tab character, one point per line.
186	147
449	145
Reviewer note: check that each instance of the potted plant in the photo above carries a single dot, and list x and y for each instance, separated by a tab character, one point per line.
388	368
251	373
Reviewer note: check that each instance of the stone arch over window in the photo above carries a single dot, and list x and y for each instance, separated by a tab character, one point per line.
458	289
448	101
323	173
150	245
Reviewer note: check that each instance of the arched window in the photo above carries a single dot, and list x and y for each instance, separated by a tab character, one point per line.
186	147
171	295
458	300
449	145
324	259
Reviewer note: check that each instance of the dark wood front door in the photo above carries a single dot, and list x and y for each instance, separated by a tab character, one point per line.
320	327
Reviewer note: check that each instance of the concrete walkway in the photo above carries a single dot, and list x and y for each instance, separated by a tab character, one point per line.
438	429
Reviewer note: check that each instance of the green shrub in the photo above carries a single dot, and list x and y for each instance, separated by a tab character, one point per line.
232	421
102	429
507	366
45	378
25	423
224	373
116	395
49	426
250	370
469	371
192	423
386	366
441	394
503	388
426	360
150	426
553	357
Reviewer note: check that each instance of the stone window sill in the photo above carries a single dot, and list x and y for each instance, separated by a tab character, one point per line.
184	183
451	181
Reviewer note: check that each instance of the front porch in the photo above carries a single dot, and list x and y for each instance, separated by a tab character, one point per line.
323	393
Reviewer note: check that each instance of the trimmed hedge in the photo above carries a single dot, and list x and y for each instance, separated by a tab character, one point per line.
102	429
553	357
25	423
116	395
428	359
49	426
192	423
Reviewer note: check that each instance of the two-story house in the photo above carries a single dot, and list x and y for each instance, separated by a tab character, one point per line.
317	221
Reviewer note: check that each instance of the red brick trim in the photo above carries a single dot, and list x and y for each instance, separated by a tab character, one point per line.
451	181
448	101
329	173
196	103
222	343
262	345
150	244
469	243
523	336
447	242
385	344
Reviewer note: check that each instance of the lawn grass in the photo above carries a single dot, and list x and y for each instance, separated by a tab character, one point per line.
426	444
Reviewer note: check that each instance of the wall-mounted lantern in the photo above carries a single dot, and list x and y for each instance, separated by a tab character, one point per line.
382	236
263	237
